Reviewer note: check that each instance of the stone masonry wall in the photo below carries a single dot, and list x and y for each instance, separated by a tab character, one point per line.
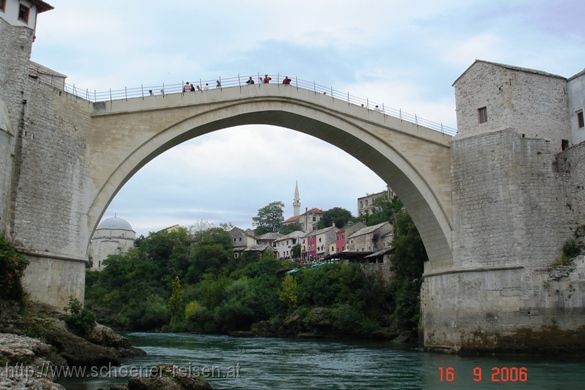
571	167
6	156
514	309
508	206
50	196
50	225
15	46
533	104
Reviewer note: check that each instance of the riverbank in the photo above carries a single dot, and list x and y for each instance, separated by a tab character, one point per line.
36	343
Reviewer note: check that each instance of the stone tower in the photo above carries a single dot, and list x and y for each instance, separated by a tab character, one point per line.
17	30
297	201
517	198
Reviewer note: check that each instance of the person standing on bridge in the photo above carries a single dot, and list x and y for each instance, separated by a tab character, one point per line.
286	80
186	87
218	83
266	79
250	81
192	88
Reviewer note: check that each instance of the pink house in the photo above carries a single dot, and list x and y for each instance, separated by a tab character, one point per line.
340	240
312	247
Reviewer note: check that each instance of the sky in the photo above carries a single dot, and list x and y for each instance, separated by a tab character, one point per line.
403	53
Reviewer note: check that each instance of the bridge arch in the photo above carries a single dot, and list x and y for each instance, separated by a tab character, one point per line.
416	166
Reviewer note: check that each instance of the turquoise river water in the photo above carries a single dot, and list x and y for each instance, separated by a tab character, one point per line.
273	363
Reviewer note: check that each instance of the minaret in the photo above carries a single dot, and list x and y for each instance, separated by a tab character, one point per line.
297	201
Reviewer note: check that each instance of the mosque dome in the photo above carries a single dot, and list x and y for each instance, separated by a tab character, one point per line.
115	223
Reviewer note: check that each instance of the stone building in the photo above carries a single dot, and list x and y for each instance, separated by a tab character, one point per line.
576	92
342	234
284	244
366	204
492	97
113	236
370	238
517	166
317	244
241	240
308	220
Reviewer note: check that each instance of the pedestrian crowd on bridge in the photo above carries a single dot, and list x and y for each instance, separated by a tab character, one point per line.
191	87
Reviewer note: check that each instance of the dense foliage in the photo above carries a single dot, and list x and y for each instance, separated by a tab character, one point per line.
408	265
289	228
337	215
181	282
12	265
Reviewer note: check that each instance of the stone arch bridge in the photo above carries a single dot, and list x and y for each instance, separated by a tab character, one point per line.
126	134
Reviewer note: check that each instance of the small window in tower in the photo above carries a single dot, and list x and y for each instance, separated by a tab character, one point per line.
580	121
23	12
2	5
482	114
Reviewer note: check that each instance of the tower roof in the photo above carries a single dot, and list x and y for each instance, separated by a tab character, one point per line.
510	67
41	5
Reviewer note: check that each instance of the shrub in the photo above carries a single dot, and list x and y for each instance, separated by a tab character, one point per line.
80	319
12	265
191	309
571	249
153	314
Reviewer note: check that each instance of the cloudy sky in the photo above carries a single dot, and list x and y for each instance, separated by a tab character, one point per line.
403	53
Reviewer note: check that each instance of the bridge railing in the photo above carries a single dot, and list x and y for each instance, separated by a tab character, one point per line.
240	81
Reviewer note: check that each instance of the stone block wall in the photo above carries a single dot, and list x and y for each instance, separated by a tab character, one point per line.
513	309
508	206
15	46
6	158
570	165
50	196
49	224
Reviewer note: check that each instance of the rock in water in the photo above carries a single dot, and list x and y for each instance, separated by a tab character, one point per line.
168	377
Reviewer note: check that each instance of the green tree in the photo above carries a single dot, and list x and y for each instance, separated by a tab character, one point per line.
296	251
269	218
288	291
211	250
408	265
337	215
289	228
176	304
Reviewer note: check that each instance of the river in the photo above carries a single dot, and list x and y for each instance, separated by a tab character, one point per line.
273	363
